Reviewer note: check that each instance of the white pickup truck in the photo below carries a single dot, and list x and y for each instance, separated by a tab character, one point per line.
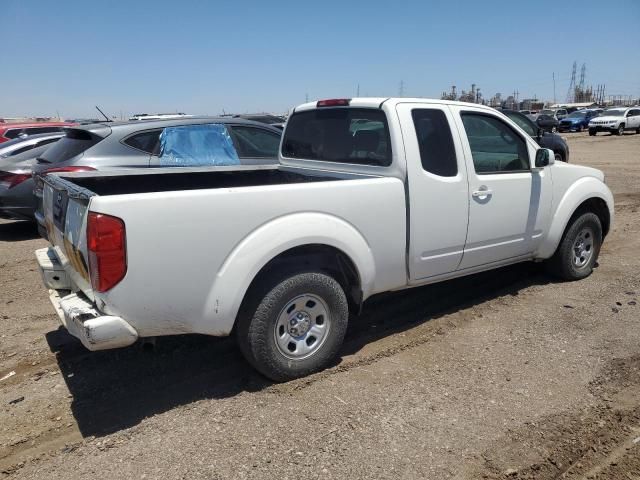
371	195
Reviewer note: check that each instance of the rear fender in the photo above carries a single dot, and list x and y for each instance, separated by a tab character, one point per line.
267	242
581	191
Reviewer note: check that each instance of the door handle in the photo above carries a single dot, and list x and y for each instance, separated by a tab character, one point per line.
482	193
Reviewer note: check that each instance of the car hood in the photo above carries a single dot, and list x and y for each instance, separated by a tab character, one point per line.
573	120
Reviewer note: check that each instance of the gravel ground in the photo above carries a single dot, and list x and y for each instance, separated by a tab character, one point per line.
505	374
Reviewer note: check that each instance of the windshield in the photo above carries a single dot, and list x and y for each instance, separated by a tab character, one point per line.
523	122
577	115
547	112
613	113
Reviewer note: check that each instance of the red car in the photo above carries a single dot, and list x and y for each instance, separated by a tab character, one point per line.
9	131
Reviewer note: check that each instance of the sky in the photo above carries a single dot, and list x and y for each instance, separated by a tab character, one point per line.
209	57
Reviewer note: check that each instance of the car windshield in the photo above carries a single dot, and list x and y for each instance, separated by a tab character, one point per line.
613	113
547	112
577	115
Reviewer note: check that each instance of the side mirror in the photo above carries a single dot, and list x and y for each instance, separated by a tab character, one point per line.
544	158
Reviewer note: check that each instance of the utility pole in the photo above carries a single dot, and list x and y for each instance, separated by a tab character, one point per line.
358	91
401	89
554	87
306	98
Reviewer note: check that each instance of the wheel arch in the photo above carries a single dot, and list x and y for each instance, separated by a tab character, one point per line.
587	195
313	241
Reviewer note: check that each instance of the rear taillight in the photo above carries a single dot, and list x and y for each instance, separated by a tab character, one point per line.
107	250
10	180
334	102
67	169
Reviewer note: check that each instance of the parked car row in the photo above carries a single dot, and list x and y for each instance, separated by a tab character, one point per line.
173	142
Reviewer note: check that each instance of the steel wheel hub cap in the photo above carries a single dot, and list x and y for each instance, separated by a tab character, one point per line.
583	248
302	326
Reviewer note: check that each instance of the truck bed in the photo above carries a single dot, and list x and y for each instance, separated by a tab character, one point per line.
165	180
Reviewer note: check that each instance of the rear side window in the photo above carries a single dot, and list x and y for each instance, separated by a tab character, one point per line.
145	141
437	151
13	133
255	142
344	135
75	142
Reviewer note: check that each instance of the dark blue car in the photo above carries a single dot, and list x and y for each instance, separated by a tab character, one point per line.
577	121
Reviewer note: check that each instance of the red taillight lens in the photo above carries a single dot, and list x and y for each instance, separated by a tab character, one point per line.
10	180
67	169
107	250
334	102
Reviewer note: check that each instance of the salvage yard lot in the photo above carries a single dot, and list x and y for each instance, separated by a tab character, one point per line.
503	374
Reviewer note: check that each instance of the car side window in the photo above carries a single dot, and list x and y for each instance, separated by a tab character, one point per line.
37	130
197	145
254	142
13	133
495	146
18	151
437	151
145	141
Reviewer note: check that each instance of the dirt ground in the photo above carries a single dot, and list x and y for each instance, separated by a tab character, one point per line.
506	374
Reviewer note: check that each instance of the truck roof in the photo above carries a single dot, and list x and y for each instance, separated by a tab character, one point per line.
376	102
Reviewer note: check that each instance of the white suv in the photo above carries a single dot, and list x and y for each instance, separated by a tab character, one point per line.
616	121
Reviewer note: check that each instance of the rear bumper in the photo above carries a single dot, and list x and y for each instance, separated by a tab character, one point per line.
77	314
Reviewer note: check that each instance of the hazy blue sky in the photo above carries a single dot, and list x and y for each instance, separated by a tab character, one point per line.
205	56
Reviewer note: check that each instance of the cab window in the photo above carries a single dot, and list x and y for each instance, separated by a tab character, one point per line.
495	146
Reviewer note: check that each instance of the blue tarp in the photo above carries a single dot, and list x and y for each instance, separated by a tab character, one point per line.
197	146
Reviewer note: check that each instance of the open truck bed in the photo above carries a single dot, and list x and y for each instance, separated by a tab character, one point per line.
195	238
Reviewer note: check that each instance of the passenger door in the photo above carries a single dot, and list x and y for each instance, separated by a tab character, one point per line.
633	120
509	204
437	189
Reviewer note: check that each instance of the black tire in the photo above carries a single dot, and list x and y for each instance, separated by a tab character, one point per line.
563	263
580	128
257	329
592	132
554	130
620	130
638	130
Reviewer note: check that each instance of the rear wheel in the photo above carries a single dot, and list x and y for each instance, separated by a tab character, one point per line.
579	248
558	157
297	328
592	132
638	130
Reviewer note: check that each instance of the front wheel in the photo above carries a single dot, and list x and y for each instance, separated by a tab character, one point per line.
579	248
592	132
297	328
620	130
580	128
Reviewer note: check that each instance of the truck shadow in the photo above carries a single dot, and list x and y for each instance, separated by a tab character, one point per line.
117	389
18	231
